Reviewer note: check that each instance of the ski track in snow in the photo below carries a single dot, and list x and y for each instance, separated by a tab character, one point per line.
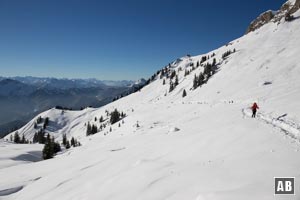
287	126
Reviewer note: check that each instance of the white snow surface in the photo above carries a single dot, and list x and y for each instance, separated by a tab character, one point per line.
204	146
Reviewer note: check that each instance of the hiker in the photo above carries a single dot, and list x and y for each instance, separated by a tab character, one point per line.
254	108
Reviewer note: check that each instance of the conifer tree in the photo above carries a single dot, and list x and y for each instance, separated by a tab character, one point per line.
173	74
214	62
89	129
114	116
203	59
73	142
23	140
171	86
64	140
46	122
184	93
41	136
48	150
35	138
57	147
176	81
16	138
195	82
94	129
39	120
68	145
101	119
208	70
201	79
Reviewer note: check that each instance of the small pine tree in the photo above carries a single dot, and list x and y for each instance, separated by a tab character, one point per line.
16	138
95	119
184	93
123	115
94	129
48	150
23	140
164	81
208	70
195	82
176	81
110	129
203	59
68	145
101	119
114	116
173	74
64	140
57	147
88	129
214	62
171	86
41	136
73	142
35	138
201	79
46	122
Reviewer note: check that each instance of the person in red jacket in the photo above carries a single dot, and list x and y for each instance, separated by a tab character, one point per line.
254	108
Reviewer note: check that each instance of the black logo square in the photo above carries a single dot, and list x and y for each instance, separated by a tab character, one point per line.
284	185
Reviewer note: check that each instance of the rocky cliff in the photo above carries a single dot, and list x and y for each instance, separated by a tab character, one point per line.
287	8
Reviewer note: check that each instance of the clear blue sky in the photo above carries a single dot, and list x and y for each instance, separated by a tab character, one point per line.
115	39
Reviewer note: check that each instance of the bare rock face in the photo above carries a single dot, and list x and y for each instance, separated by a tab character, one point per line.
260	21
295	7
273	16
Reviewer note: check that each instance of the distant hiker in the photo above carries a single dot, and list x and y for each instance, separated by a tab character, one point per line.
254	108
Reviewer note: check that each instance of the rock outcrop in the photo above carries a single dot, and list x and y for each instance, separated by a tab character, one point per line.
260	21
274	16
295	7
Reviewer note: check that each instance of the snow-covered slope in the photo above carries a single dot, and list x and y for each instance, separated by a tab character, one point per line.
15	154
202	146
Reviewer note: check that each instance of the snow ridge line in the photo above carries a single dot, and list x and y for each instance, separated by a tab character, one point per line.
287	126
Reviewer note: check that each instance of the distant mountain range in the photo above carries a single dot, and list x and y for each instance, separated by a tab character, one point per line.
23	97
68	83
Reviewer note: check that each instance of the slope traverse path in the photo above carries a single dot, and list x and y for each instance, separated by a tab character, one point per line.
289	127
284	124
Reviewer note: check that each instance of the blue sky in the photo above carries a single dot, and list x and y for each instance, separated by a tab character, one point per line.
115	39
